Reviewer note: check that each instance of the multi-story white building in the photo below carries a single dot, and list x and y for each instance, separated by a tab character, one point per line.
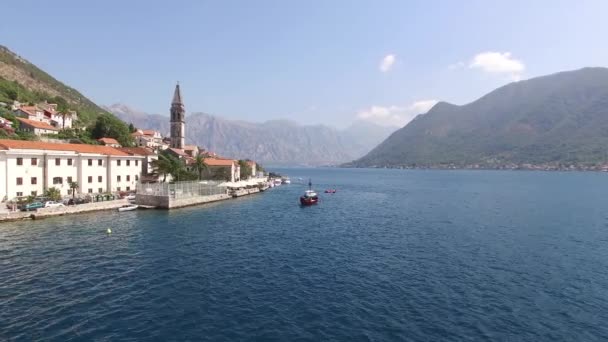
32	167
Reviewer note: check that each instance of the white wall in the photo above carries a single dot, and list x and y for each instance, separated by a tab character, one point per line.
129	174
80	171
63	170
26	172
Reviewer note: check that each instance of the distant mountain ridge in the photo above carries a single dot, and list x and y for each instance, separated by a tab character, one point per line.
556	119
274	142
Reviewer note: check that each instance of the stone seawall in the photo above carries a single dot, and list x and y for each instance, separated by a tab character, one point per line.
80	208
244	192
166	202
58	211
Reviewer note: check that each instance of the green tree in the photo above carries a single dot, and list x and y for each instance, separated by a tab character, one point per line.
73	187
132	128
245	169
108	126
53	194
199	165
167	164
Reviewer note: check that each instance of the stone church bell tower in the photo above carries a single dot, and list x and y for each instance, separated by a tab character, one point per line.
178	120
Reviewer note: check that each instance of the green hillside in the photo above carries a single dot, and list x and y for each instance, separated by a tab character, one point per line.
23	81
560	119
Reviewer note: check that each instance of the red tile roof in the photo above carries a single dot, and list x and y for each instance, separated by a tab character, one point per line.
178	151
219	162
141	151
6	144
149	132
108	141
37	124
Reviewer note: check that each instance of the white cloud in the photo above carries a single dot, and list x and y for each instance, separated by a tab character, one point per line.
498	63
387	62
395	115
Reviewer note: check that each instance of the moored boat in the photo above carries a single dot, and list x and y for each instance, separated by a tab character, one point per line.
310	196
128	207
286	180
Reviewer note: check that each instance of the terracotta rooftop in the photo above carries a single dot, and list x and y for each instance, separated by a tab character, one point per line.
219	162
141	151
37	124
149	132
108	141
178	151
6	144
190	147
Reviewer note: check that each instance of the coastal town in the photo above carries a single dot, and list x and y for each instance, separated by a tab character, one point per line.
51	176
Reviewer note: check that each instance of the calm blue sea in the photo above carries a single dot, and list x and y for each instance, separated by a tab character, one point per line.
392	256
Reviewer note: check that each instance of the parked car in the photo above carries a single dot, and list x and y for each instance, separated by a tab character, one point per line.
52	204
33	206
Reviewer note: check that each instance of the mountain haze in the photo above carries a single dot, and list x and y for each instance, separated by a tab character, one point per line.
555	119
275	142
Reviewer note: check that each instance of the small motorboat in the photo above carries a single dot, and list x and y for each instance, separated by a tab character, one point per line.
310	196
330	191
286	180
128	207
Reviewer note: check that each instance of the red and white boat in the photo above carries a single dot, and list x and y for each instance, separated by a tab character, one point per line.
310	196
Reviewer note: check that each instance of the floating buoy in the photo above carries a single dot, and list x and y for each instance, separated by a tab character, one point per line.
109	231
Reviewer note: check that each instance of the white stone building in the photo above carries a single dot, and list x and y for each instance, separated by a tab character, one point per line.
32	167
36	127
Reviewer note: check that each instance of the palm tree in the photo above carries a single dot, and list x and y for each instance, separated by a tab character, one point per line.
53	194
73	187
200	165
167	165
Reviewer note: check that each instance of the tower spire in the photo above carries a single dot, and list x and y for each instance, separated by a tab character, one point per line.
177	95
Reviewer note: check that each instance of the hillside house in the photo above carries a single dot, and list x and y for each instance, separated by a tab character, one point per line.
37	127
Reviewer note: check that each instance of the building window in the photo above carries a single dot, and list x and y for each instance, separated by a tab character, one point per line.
128	163
57	161
70	161
118	189
19	161
34	181
90	191
70	179
99	179
136	162
99	162
100	190
34	193
136	177
19	194
90	179
34	161
90	162
19	181
118	178
128	178
128	188
57	180
118	162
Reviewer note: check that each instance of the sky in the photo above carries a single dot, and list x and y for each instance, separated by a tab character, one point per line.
313	62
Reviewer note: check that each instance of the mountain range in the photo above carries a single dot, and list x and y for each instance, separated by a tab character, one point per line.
276	142
556	119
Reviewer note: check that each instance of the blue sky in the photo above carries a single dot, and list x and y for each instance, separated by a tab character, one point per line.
308	61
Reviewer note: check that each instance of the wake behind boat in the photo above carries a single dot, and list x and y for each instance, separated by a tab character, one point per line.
310	196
